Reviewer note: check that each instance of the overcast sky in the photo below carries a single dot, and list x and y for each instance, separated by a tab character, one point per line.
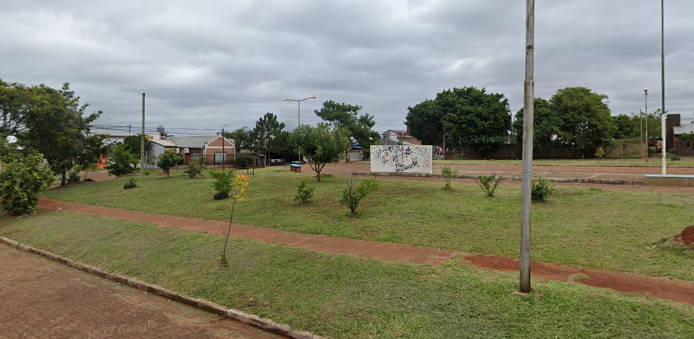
204	64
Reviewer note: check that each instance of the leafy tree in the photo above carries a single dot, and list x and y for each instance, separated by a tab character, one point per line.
195	168
426	123
625	127
346	116
120	160
133	144
320	145
546	128
267	129
21	180
586	122
51	121
168	160
475	119
241	137
244	160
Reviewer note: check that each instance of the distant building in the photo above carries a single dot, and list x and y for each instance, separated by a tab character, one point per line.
214	150
680	134
398	137
114	137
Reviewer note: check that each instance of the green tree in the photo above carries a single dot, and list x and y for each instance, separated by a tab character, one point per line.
320	145
54	123
169	160
586	121
546	128
475	119
22	178
15	102
426	122
625	127
267	129
241	137
134	146
120	160
346	116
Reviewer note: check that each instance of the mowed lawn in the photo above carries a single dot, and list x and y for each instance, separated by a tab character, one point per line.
652	162
616	231
344	297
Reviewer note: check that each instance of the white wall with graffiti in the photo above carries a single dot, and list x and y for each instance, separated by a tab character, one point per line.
401	158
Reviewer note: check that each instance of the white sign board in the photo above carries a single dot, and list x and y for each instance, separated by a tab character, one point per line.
401	158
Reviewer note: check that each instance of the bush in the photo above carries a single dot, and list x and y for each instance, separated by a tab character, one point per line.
489	183
651	151
675	157
600	153
21	181
542	189
224	183
244	160
352	196
168	160
195	168
120	160
447	173
131	183
304	193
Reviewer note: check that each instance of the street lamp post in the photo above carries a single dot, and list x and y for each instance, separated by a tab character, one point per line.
299	101
663	129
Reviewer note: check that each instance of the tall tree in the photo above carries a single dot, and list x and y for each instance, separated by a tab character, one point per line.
320	145
586	121
241	137
133	144
475	119
625	127
546	129
267	128
346	116
426	122
15	102
55	124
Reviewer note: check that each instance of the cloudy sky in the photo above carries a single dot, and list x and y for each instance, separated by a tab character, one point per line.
204	64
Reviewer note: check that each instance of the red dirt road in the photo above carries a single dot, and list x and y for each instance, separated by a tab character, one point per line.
653	287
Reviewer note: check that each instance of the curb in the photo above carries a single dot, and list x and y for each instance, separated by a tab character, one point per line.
202	304
467	176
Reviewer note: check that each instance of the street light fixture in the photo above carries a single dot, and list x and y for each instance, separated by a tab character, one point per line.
299	101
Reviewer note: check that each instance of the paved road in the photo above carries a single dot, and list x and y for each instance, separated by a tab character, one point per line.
43	299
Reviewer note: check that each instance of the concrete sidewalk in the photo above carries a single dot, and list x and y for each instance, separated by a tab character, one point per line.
623	282
44	299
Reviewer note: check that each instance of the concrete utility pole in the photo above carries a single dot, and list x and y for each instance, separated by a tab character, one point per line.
645	91
663	130
528	122
142	140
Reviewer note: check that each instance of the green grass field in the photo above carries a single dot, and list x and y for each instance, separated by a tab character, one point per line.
344	297
653	162
615	231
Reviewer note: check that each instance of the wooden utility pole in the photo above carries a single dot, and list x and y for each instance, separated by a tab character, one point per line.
142	139
528	122
224	153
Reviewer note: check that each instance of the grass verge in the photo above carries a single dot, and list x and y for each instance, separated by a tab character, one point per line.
344	297
597	229
653	162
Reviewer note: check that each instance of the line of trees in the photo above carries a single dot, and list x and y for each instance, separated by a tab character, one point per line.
470	119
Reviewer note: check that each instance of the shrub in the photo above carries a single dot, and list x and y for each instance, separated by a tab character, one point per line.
120	160
244	160
304	192
21	181
131	183
675	157
542	189
352	195
224	183
168	160
489	183
447	173
195	168
651	151
600	153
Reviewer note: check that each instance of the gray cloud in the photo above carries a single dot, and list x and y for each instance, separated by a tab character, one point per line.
212	63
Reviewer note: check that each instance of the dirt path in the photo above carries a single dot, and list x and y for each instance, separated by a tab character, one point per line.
44	299
653	287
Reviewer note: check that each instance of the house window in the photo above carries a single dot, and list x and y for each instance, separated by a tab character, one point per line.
219	158
195	156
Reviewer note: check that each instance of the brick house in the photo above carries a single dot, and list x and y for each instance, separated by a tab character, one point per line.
675	129
215	150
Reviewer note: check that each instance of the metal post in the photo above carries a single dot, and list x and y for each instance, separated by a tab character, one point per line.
224	154
663	130
645	91
299	126
528	122
142	139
